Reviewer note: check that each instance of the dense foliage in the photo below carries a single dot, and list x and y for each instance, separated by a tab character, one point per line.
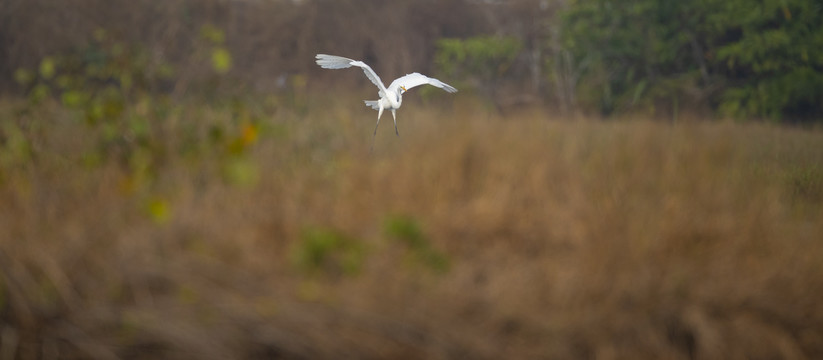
744	58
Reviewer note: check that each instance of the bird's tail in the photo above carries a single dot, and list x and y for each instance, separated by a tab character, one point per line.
372	104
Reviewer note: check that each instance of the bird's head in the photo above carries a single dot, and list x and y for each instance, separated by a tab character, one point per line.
403	89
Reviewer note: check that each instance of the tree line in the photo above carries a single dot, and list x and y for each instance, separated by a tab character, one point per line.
735	58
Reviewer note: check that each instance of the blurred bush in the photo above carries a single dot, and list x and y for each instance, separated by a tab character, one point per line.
122	97
479	61
407	232
329	252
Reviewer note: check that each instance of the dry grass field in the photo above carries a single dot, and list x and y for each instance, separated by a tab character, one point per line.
268	230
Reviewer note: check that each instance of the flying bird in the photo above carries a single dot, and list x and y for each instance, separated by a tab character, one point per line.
390	97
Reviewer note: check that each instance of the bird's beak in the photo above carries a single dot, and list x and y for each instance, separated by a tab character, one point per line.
403	88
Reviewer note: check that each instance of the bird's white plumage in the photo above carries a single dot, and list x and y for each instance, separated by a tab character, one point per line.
390	98
416	79
339	62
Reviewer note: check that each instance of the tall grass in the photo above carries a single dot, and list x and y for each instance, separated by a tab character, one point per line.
268	230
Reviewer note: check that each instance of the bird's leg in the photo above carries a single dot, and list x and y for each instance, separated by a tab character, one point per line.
379	114
394	116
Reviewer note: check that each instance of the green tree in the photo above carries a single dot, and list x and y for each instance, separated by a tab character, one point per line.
631	50
744	58
770	53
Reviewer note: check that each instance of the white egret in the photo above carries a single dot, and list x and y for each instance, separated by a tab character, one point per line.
390	98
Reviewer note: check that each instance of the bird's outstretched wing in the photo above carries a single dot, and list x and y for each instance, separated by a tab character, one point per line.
415	79
339	62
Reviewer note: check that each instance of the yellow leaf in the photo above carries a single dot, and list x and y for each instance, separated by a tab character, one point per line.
249	134
100	34
221	60
159	210
213	34
47	68
73	98
241	171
